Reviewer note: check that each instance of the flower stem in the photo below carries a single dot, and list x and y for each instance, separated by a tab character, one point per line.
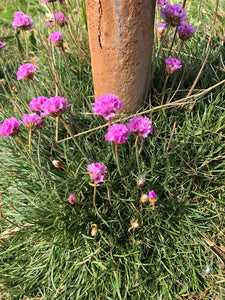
75	141
137	154
30	141
117	158
164	88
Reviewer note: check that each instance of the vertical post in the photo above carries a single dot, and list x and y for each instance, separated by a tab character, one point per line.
121	40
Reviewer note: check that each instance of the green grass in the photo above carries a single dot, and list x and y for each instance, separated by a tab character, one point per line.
50	253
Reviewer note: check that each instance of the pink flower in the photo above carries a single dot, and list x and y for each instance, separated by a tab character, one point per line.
117	133
161	29
26	72
152	195
106	106
185	31
33	121
50	0
10	127
172	64
173	15
36	103
96	171
1	45
56	38
140	125
22	21
73	198
61	20
162	2
54	106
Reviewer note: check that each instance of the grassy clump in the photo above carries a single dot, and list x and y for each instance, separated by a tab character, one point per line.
47	249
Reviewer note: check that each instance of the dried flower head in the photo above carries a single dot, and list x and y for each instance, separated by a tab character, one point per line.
173	15
185	31
56	38
26	72
36	103
94	230
54	107
22	21
1	45
162	2
134	224
161	28
140	125
73	199
107	105
140	182
144	198
33	121
49	19
117	133
96	172
10	127
172	64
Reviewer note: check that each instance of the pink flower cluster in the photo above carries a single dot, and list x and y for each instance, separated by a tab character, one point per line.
22	21
172	64
54	106
33	121
50	0
152	195
96	171
56	38
162	2
161	28
73	199
1	45
26	72
107	105
185	31
59	18
117	133
10	127
141	126
173	15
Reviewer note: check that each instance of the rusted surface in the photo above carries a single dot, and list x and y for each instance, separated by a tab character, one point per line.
121	37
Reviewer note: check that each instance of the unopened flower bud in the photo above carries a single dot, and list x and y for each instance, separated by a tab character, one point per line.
94	230
144	198
57	164
140	182
73	199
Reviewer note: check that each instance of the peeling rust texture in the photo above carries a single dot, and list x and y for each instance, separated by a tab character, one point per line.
121	39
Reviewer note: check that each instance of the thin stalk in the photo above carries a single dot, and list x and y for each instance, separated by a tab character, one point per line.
137	154
164	88
117	158
75	141
30	140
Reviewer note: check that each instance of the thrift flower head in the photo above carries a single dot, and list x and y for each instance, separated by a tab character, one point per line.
1	45
72	198
26	72
33	121
161	28
140	125
22	21
172	64
96	171
36	103
117	133
56	38
185	31
107	105
54	106
10	127
173	15
152	195
61	20
49	19
162	2
50	0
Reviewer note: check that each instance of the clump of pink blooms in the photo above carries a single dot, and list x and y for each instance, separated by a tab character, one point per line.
54	106
162	2
56	38
96	172
36	103
152	195
185	31
50	0
172	64
117	133
10	127
161	28
141	126
61	20
26	72
33	121
22	21
73	199
107	105
1	45
173	15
